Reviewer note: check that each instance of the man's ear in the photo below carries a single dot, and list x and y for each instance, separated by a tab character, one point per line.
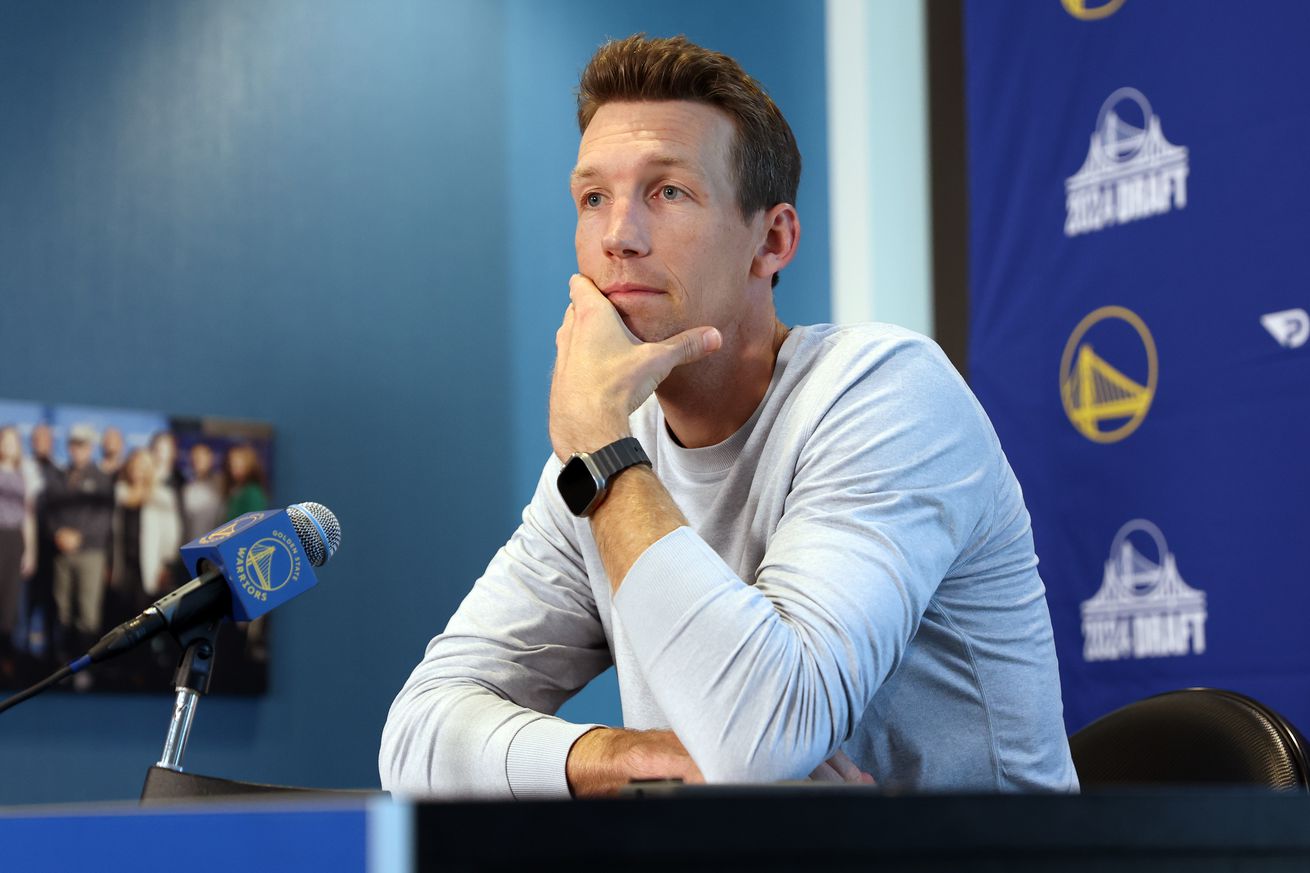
782	233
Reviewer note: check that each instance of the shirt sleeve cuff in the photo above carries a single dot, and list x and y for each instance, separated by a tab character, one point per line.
534	764
666	584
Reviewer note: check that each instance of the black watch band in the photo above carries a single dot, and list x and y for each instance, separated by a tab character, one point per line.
585	479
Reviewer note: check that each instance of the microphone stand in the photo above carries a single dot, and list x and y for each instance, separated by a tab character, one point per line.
194	672
166	782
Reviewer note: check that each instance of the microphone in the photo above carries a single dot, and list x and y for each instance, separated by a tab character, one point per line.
253	564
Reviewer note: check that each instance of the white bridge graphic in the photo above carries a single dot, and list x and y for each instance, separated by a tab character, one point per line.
1143	609
1129	173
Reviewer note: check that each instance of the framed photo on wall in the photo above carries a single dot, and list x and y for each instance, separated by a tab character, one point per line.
94	506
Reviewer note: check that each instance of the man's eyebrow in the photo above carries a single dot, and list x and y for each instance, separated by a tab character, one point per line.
581	174
584	172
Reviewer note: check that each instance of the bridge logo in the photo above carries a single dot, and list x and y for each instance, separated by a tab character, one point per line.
1091	10
1103	402
232	528
268	564
1131	171
1143	609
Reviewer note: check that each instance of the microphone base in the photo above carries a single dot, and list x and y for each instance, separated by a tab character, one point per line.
163	785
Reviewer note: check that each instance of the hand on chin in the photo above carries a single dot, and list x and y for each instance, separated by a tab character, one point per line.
605	368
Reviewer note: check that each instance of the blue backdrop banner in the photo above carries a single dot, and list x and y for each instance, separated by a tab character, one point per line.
1138	217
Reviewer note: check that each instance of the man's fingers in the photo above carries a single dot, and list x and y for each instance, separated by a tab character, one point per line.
825	773
582	290
840	768
565	325
691	345
845	767
587	303
562	337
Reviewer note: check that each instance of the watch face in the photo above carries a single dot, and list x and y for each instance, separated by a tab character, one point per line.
577	486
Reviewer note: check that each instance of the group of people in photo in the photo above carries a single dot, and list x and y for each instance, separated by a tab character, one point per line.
91	541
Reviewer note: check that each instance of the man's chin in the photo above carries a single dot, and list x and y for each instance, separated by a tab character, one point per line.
645	329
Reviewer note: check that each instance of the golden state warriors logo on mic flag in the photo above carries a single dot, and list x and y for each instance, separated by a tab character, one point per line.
267	564
1138	331
261	558
232	528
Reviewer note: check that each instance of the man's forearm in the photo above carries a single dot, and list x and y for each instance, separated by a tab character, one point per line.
637	512
603	760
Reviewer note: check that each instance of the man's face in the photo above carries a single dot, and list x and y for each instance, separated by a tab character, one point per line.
111	443
79	452
659	230
43	441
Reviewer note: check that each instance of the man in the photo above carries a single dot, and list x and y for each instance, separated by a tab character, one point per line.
826	557
43	476
81	509
111	451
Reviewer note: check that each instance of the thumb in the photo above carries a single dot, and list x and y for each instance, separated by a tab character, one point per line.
691	345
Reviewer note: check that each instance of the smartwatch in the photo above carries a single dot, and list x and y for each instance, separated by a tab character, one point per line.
586	477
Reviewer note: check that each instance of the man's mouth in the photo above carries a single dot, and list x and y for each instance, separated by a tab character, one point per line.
629	290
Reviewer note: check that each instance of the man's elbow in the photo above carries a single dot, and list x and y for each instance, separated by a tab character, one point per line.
395	769
761	764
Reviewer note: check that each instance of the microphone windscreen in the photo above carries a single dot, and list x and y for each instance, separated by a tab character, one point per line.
318	530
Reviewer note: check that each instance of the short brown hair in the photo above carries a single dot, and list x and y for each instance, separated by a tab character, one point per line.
764	155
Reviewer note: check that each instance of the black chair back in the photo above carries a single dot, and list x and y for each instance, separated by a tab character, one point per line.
1197	736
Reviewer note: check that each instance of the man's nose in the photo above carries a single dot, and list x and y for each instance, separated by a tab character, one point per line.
626	235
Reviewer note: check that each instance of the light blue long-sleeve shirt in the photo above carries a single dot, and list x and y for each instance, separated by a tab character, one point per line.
857	573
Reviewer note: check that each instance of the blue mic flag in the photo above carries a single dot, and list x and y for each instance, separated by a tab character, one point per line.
261	559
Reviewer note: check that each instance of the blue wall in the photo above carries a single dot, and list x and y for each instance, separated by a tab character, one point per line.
349	219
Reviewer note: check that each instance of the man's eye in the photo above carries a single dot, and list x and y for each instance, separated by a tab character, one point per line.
669	192
592	200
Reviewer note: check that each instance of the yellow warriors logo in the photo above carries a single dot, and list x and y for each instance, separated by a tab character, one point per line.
233	527
1102	400
267	565
1091	10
